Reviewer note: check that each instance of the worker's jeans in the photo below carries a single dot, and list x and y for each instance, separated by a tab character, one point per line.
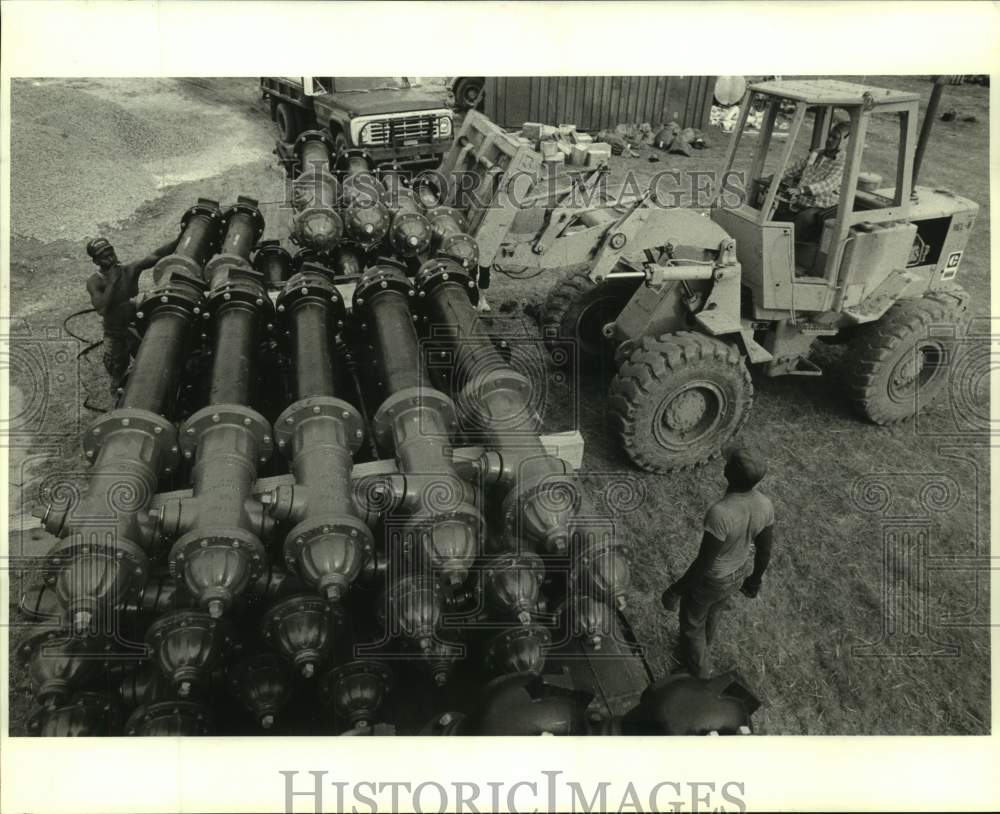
699	616
116	357
808	224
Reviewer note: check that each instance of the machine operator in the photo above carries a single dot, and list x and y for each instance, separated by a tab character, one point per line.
812	185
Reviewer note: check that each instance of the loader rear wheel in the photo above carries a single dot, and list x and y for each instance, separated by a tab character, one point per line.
897	366
287	119
577	309
677	400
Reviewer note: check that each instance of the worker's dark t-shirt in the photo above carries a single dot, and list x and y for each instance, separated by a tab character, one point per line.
736	520
122	281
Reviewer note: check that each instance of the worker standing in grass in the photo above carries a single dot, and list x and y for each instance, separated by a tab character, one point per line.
111	290
742	518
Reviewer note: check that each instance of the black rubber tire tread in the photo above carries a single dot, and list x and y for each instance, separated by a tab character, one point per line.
462	88
574	290
878	346
635	394
287	119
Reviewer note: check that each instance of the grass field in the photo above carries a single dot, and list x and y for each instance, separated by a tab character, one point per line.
842	640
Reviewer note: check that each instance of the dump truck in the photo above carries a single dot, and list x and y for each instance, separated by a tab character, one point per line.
686	302
395	120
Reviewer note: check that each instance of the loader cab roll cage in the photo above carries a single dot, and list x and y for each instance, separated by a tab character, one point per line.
887	115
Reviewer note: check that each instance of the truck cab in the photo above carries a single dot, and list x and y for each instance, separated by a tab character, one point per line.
393	118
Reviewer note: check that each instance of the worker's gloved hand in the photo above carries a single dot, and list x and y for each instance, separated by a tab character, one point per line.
670	600
749	588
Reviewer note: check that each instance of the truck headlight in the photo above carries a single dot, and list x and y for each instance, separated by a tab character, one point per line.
444	126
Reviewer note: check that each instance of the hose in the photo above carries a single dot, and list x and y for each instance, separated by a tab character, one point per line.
519	275
89	347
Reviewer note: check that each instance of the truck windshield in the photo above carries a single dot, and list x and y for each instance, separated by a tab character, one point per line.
366	83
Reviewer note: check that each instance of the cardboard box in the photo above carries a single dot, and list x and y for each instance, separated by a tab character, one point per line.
567	130
578	158
581	138
532	130
551	152
598	153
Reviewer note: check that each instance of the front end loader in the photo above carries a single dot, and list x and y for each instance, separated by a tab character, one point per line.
686	301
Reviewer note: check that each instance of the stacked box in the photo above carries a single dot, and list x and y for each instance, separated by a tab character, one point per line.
532	131
551	153
578	158
598	153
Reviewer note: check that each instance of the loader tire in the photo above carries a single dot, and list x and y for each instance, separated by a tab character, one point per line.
287	118
897	366
577	310
678	400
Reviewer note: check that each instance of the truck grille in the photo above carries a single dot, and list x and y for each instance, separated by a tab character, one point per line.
415	129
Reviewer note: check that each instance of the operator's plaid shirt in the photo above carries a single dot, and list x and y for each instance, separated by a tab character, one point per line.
819	178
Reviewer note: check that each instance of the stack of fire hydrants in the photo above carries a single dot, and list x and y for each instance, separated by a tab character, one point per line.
292	509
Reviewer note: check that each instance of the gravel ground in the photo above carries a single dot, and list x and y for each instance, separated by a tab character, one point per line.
109	146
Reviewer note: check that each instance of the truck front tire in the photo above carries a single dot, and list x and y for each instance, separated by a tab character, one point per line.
287	118
339	140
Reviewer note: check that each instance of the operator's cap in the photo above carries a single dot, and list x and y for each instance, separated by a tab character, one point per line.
745	466
98	246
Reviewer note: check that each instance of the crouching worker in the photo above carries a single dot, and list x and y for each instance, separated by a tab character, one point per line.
111	290
742	518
